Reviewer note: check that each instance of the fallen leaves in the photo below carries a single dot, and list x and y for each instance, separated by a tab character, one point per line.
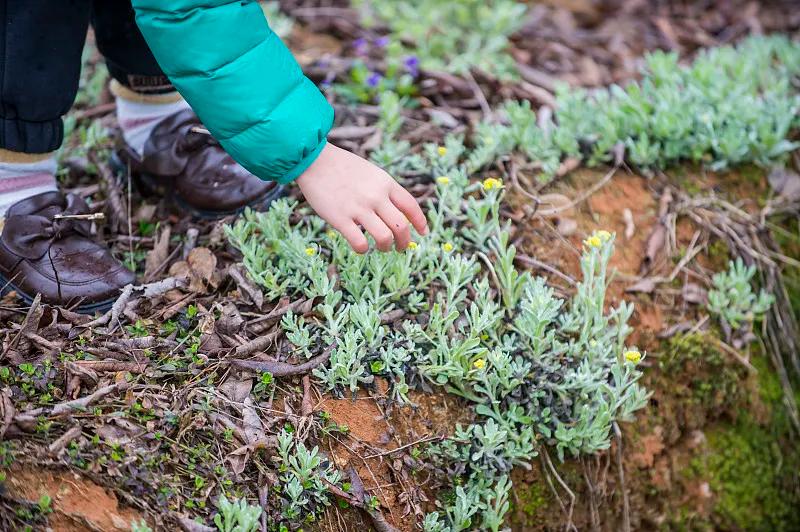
199	269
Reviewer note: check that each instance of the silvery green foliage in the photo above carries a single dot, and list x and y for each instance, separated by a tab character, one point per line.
279	23
140	526
303	476
236	516
479	505
450	35
731	106
297	332
533	366
732	298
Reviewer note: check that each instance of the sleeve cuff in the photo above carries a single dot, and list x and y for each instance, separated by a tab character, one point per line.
301	167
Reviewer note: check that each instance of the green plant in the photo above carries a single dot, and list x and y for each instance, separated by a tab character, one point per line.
303	490
534	367
731	106
732	298
140	526
236	516
364	85
452	36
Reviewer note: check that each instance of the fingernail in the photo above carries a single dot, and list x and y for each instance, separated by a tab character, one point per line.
425	230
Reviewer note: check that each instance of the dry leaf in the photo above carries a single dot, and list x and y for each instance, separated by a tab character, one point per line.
158	255
550	205
199	268
567	227
644	286
694	293
785	182
236	389
246	286
253	428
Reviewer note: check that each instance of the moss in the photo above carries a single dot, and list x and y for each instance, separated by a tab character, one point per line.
753	468
754	484
718	254
533	499
700	377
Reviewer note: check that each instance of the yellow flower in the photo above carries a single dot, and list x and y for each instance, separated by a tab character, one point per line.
633	356
491	183
447	247
442	151
412	245
479	364
311	251
593	242
484	337
443	180
331	233
605	236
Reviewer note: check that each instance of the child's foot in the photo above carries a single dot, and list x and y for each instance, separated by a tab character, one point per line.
45	249
180	159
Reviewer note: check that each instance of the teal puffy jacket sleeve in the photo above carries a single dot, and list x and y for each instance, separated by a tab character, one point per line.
241	80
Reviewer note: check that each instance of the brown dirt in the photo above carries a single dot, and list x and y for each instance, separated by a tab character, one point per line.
78	503
372	432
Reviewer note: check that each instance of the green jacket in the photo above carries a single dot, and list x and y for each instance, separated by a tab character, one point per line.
241	80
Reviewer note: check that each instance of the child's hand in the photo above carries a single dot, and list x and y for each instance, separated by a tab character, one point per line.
347	191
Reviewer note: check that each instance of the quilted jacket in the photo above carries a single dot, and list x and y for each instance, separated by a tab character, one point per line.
241	80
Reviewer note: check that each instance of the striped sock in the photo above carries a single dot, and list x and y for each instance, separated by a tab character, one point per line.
138	113
24	175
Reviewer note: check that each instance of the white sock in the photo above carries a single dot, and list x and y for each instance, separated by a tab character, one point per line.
21	180
138	114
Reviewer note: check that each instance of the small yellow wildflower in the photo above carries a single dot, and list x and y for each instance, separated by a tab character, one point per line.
479	364
412	245
605	236
447	247
593	242
443	180
491	183
331	233
442	151
311	251
484	337
633	356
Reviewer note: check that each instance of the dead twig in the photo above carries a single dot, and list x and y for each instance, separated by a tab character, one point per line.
284	369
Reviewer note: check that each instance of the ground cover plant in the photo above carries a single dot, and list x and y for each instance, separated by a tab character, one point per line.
454	37
498	338
732	105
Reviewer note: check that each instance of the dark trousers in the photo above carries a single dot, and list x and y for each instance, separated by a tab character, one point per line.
40	61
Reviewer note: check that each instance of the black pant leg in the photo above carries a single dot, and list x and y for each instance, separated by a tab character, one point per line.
127	55
40	63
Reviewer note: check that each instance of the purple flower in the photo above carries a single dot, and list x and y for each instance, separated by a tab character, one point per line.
328	81
374	79
382	42
412	65
361	46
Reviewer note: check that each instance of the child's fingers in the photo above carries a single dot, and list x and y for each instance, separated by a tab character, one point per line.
377	228
353	235
397	223
404	201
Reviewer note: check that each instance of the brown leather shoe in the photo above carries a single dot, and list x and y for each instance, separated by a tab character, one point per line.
182	160
45	250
